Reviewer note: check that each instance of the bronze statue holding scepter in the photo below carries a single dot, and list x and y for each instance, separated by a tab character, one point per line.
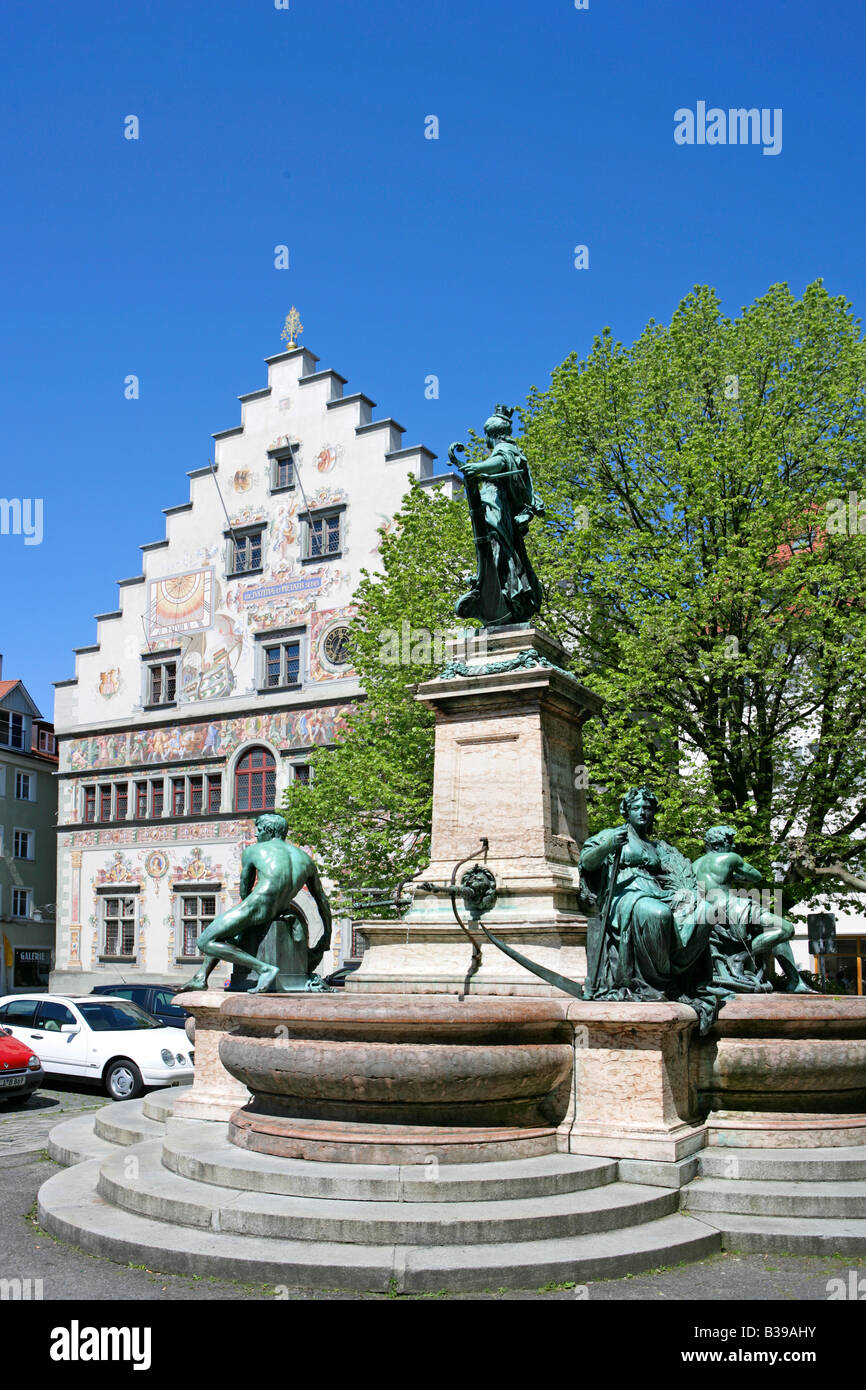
502	502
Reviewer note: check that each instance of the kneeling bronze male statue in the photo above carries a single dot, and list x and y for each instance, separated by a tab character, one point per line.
273	872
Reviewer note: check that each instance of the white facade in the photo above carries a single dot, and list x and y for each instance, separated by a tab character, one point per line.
227	644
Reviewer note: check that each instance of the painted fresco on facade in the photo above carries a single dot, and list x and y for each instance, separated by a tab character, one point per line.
109	682
327	456
285	729
121	872
282	600
156	864
233	831
198	867
209	663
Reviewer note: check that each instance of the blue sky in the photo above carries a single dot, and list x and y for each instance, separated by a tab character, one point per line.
408	256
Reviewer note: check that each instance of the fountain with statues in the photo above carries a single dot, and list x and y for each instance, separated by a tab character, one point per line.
566	1062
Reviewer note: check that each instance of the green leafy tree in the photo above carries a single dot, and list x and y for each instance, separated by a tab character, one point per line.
698	570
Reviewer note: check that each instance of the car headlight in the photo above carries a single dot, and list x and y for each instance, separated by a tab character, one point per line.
167	1057
181	1060
34	1064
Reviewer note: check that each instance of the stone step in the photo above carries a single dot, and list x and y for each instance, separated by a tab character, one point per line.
158	1105
149	1189
824	1200
791	1235
74	1141
125	1123
785	1165
70	1208
200	1151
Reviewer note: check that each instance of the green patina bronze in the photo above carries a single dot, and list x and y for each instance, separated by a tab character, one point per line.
647	937
273	872
660	927
524	661
502	502
741	928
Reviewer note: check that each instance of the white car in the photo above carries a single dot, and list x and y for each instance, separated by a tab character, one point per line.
98	1038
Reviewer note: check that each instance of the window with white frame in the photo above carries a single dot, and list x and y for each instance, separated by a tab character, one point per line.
118	925
323	535
47	741
282	471
161	679
245	551
23	843
197	911
13	729
281	664
25	786
22	899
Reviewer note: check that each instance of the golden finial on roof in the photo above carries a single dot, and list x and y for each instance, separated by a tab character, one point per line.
293	327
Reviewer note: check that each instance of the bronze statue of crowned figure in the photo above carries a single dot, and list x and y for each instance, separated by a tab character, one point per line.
273	872
502	502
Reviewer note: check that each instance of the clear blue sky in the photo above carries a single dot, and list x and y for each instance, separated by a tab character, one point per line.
409	256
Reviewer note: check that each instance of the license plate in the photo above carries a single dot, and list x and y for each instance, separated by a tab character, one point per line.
12	1080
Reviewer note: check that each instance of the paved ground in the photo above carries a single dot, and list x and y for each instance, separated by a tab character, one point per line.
67	1273
25	1124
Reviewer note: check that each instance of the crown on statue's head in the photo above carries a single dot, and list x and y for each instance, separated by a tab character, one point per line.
499	424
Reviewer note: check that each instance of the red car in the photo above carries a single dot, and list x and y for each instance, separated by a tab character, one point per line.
20	1069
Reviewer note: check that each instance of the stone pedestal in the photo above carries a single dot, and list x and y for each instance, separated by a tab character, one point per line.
632	1096
508	766
215	1095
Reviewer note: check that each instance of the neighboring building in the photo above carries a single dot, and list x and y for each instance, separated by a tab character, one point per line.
28	849
222	665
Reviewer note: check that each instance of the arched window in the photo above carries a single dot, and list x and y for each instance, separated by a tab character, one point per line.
255	781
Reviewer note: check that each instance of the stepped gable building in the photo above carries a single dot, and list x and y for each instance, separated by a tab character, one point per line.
222	665
28	852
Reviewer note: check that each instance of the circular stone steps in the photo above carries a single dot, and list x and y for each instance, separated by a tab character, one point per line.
193	1149
74	1141
124	1123
137	1181
786	1235
827	1200
802	1201
71	1207
785	1165
158	1105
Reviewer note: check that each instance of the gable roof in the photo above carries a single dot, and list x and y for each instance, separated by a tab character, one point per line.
6	689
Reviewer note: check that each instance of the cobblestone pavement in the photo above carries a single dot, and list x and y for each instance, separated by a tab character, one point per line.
25	1124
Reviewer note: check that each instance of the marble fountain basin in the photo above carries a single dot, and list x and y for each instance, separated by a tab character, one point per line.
803	1052
398	1078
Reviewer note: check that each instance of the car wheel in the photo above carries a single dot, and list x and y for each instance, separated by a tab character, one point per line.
123	1080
